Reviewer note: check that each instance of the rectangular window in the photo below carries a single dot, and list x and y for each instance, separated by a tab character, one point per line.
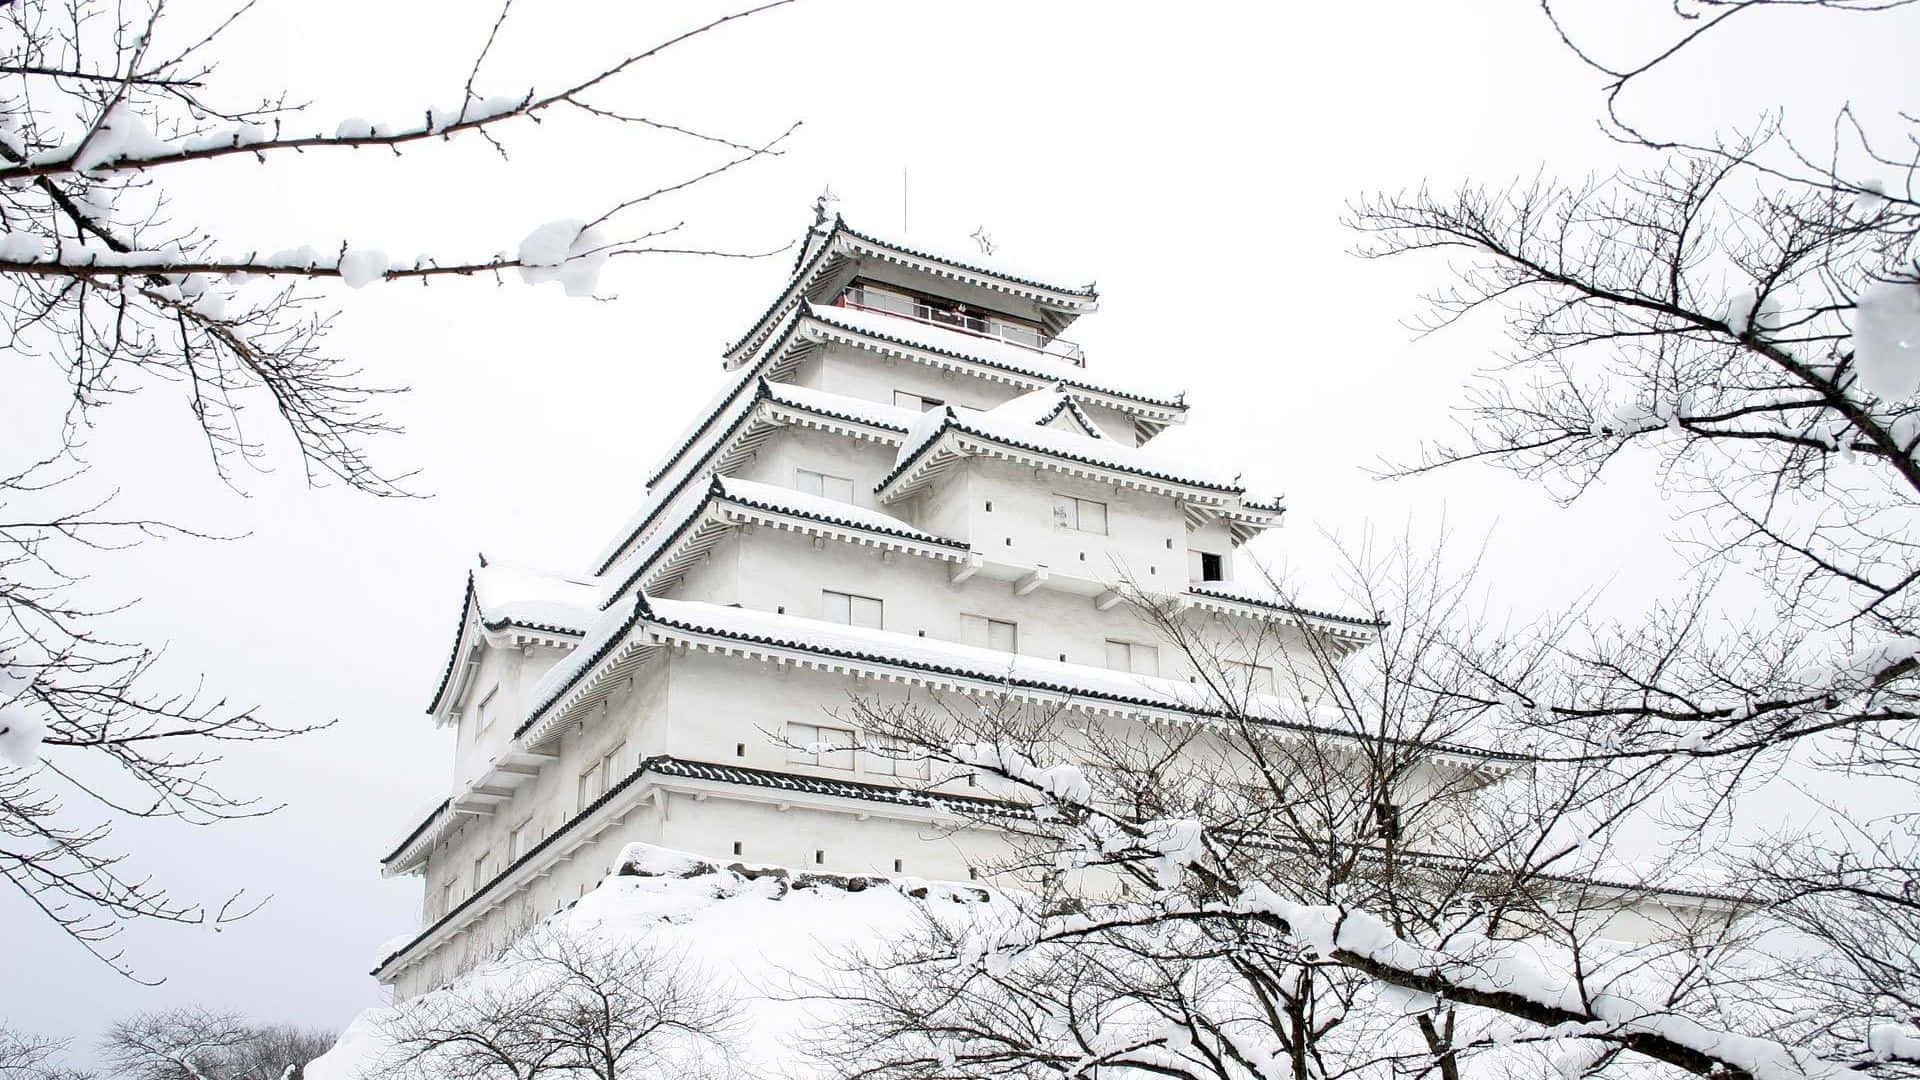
850	609
918	402
446	898
592	783
839	488
610	766
872	296
1130	656
1205	566
891	757
483	713
1251	678
517	840
990	633
479	872
817	744
1081	515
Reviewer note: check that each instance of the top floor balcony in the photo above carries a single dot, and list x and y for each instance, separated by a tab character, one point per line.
863	297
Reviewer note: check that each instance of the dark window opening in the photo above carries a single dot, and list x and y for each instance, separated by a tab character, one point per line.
1210	567
736	847
1387	816
819	856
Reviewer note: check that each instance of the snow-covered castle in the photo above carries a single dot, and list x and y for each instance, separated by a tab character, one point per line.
910	483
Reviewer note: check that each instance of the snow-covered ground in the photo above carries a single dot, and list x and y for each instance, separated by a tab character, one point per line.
763	937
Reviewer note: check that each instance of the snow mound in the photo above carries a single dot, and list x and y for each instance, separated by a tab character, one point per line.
758	931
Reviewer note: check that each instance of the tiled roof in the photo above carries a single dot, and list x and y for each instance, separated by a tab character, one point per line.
1222	591
833	406
453	654
822	785
953	343
414	834
1082	296
1050	442
1085	292
779	500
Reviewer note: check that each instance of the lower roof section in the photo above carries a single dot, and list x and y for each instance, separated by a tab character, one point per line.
670	773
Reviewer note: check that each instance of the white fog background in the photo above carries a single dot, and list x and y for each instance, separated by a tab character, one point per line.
1193	158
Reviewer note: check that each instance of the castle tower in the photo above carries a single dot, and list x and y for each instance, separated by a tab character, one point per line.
910	484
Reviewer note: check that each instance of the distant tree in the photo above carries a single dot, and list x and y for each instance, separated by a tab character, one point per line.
559	1003
35	1057
204	1044
105	109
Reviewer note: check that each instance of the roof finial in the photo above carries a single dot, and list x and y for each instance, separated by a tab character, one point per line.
483	560
986	242
821	206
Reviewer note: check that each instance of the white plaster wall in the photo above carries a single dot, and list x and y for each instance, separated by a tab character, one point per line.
510	675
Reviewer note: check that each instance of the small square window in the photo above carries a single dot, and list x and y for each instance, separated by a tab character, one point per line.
1080	515
918	402
1134	657
897	864
819	856
826	485
736	847
997	634
816	744
1205	566
850	609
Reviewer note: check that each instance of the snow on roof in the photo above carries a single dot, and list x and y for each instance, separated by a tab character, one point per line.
755	931
993	351
874	413
606	629
855	410
1259	596
820	243
975	262
774	497
1014	428
531	597
1032	407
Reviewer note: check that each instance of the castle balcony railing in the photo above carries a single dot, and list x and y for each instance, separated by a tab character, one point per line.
1025	337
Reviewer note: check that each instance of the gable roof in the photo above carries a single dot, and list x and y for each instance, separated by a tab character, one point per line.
502	598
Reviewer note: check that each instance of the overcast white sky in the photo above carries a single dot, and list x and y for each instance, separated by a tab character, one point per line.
1193	158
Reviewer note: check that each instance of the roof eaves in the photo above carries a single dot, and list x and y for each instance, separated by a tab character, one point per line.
1043	377
1056	688
954	423
1083	294
1291	609
453	656
408	840
640	611
746	378
846	523
795	285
